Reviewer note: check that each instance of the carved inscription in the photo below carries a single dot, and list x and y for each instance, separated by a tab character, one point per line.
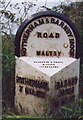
72	47
36	88
48	53
65	89
32	91
47	35
48	64
68	82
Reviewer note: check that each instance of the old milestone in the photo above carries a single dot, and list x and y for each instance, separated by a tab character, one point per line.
47	64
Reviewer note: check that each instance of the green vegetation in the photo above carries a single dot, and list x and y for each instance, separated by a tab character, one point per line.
69	111
8	72
75	12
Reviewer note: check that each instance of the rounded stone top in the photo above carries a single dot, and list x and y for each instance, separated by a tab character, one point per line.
47	34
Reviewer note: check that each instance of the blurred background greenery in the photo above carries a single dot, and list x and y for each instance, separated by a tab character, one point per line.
75	12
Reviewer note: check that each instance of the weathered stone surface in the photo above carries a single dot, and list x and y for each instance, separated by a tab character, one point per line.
45	82
47	70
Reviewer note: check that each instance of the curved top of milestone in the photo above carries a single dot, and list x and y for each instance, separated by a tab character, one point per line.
47	34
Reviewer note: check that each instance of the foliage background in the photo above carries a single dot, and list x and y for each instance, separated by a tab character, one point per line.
11	16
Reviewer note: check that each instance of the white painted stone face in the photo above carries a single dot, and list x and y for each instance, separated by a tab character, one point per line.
38	79
57	37
47	71
49	66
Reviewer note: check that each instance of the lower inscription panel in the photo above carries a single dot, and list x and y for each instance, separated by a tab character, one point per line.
45	87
